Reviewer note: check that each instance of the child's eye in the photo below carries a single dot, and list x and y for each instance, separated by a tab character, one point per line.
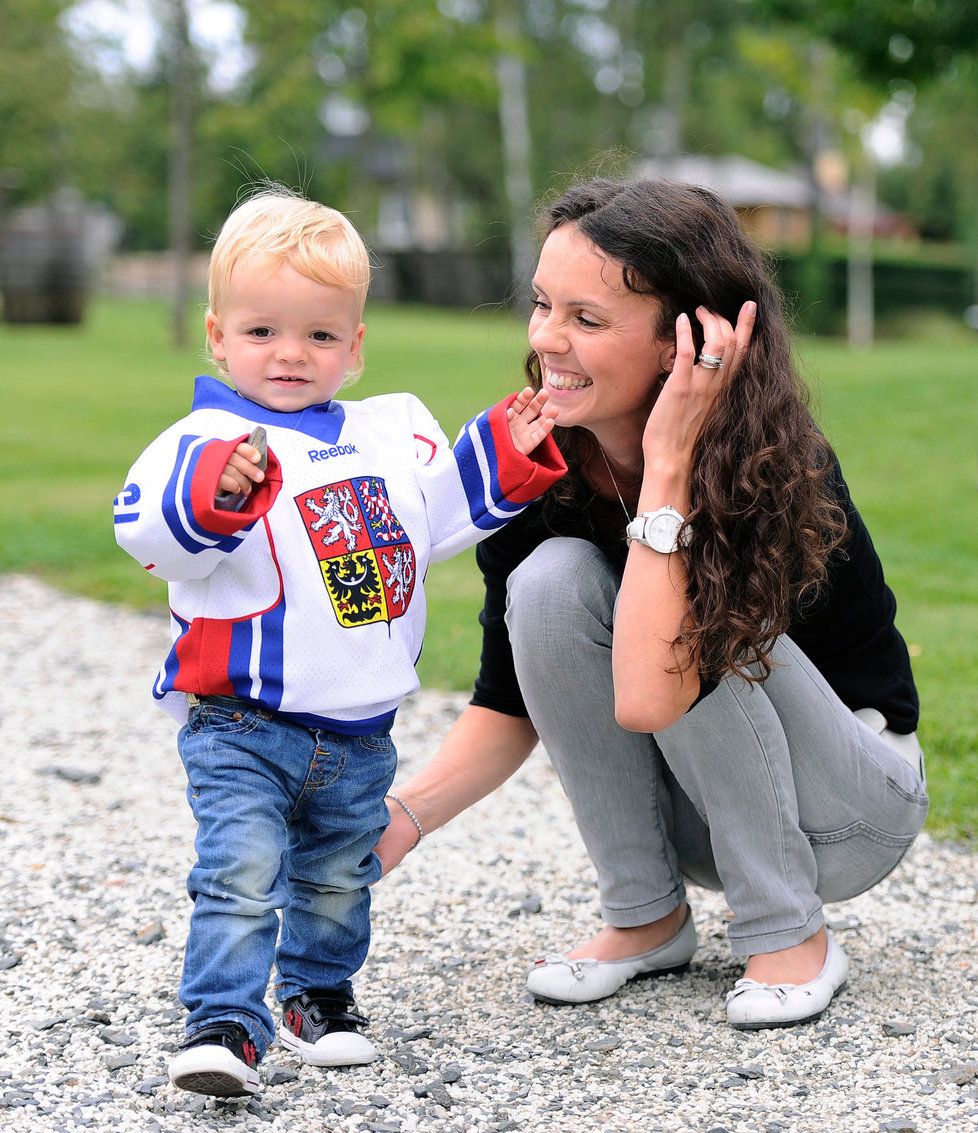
259	332
321	336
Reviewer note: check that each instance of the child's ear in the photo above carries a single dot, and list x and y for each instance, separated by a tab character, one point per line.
215	336
356	344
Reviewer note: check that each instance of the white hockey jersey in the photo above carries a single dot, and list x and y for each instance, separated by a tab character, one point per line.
309	601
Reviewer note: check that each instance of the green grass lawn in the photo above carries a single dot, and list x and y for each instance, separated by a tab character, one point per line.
80	403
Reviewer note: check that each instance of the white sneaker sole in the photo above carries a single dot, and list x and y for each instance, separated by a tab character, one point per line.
339	1048
213	1070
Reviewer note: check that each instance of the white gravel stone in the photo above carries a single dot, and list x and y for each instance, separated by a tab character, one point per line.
95	911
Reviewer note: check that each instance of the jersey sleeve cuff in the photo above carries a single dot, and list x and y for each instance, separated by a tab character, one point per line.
205	484
523	478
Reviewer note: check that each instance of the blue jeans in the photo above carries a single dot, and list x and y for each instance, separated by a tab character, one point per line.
287	818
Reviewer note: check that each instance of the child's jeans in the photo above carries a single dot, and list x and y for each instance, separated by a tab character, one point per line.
287	818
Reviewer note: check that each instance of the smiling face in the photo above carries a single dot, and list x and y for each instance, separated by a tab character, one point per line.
600	356
287	341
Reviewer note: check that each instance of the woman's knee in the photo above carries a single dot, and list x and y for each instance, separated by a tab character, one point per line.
560	580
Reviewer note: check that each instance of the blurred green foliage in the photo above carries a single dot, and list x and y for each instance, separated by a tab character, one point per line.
81	403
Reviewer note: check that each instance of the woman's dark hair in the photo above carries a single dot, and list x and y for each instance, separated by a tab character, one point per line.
764	518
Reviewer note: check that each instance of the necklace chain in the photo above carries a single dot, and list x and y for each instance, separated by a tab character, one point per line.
614	483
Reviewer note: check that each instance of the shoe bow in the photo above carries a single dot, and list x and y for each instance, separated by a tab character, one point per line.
779	990
576	966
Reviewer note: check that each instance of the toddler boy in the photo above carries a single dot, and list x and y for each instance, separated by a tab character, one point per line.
294	531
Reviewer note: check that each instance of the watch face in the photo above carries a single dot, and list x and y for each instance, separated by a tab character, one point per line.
658	529
661	532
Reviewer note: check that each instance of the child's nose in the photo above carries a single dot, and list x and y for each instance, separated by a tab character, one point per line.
291	349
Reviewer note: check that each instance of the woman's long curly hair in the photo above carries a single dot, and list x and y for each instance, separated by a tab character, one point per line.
764	518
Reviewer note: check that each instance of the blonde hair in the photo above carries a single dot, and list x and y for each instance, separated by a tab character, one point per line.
277	226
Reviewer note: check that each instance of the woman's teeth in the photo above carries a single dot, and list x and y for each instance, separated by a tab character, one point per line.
564	381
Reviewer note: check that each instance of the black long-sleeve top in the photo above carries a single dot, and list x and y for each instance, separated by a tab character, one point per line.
848	632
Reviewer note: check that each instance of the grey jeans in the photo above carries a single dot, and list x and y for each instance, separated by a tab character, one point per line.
775	793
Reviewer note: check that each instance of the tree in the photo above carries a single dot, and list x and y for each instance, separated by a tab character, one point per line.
37	75
914	40
182	75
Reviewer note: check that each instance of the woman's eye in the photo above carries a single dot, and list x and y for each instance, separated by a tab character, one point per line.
587	323
539	305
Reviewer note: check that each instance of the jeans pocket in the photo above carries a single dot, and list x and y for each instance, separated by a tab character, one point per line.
379	743
225	718
855	858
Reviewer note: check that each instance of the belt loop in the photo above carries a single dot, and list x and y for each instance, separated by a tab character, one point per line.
192	700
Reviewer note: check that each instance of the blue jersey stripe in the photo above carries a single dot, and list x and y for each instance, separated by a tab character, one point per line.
184	528
272	656
473	479
239	658
166	679
497	494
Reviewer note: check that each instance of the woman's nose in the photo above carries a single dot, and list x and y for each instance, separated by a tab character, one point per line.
547	336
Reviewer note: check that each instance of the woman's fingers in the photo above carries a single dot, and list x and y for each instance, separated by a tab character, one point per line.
724	345
718	340
745	328
685	348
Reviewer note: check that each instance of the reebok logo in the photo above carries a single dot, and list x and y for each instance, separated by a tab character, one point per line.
335	450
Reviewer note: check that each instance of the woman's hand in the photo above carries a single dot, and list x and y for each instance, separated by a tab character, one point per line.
482	749
684	404
397	841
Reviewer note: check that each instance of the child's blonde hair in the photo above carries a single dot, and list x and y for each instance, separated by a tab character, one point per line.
277	226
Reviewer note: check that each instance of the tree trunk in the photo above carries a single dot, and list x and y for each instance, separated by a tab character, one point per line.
862	220
514	121
180	221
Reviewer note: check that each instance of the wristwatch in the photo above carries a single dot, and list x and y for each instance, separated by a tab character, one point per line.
658	529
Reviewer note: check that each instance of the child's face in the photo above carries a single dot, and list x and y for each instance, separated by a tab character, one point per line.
286	340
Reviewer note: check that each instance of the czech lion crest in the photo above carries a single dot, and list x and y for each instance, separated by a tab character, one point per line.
366	558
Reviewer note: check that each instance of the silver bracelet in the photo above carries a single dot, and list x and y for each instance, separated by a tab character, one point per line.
410	813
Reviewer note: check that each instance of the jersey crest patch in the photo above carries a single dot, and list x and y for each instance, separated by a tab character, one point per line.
366	558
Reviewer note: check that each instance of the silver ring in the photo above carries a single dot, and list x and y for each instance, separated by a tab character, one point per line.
710	361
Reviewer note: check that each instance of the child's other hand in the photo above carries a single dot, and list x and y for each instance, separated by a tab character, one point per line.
531	420
241	471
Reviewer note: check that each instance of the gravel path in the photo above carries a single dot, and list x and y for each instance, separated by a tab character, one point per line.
95	843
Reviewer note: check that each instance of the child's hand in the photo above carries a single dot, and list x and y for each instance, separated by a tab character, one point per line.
530	419
241	471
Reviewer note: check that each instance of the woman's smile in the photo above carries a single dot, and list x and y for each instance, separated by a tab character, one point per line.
557	380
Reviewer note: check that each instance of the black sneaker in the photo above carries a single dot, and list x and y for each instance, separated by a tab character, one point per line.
322	1026
219	1059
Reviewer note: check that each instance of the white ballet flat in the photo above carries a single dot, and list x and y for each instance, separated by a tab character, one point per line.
752	1006
558	979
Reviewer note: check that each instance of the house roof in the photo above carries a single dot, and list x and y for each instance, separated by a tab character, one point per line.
741	182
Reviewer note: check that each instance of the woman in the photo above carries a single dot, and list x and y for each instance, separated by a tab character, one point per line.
722	689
